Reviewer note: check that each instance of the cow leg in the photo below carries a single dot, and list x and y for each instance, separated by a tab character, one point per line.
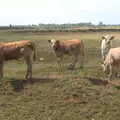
29	68
81	61
1	69
110	71
75	59
117	74
59	60
103	58
115	71
103	54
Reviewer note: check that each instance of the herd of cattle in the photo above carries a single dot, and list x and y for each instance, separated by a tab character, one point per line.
75	48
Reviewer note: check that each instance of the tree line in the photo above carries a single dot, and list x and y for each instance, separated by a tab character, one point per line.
63	27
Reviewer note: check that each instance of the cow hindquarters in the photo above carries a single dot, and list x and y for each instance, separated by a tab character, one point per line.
81	55
59	62
102	55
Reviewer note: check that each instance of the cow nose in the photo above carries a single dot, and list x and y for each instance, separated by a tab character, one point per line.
54	46
108	42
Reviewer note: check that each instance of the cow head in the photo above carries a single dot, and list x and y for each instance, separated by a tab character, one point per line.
107	40
54	43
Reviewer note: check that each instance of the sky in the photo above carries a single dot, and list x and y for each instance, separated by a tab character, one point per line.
25	12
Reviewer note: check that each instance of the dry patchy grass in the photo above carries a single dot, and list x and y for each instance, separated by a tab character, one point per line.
80	94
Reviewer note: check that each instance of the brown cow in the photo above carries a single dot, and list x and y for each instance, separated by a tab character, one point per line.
15	50
74	48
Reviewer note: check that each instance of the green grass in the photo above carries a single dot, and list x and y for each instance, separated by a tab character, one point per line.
79	94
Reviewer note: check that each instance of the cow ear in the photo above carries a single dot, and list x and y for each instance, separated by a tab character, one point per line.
49	41
112	37
57	41
103	37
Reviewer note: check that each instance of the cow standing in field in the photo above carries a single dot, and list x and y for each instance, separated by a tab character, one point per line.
73	48
106	45
15	50
112	61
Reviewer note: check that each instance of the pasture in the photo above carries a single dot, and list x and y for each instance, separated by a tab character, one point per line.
79	94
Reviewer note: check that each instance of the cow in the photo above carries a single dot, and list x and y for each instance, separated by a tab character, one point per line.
15	50
106	44
74	48
112	62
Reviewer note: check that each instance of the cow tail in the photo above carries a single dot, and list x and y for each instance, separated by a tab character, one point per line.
82	49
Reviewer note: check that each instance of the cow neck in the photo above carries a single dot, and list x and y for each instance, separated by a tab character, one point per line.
59	47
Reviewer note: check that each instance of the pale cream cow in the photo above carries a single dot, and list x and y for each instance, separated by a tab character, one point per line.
112	62
106	44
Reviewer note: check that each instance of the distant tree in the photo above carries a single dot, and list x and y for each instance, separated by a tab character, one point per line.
100	23
10	26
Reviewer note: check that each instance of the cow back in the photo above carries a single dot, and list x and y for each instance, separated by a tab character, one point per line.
12	50
72	46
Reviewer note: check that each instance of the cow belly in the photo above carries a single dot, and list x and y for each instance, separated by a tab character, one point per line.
11	57
66	52
11	54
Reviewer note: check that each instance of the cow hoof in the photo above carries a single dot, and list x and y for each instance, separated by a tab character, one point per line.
81	67
28	78
71	67
108	81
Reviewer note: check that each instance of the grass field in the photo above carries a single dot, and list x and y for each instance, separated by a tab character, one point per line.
79	94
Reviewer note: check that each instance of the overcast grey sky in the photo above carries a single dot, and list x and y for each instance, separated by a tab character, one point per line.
59	11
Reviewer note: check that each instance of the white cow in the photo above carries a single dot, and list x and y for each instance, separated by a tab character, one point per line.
106	45
112	61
